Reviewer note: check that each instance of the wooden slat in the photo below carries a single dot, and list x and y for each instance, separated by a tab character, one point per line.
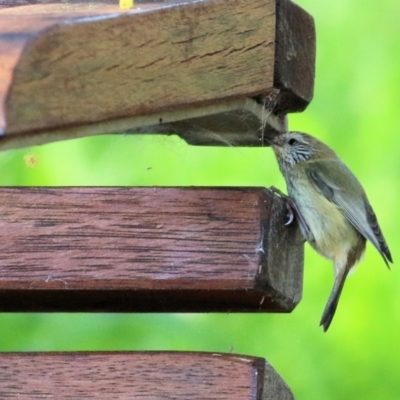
74	69
139	375
119	63
147	249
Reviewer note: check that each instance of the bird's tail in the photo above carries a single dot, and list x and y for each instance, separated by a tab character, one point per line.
333	300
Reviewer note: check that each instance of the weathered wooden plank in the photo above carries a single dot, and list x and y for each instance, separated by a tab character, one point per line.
74	69
84	63
147	249
139	375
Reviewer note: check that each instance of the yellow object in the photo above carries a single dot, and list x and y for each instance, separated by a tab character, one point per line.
126	4
31	160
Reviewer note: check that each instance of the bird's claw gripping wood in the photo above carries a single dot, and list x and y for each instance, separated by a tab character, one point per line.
289	208
292	210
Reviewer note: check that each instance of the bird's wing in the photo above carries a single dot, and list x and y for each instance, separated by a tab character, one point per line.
348	194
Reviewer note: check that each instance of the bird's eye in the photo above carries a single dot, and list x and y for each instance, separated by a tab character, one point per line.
292	141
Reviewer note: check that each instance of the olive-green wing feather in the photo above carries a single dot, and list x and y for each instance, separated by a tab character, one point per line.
338	184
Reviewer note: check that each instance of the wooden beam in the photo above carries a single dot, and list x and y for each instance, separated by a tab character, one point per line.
140	375
186	54
73	69
147	249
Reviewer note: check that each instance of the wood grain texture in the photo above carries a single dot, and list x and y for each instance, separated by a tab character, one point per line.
75	69
85	63
139	375
147	249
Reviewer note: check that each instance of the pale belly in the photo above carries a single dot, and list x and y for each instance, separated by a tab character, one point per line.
333	235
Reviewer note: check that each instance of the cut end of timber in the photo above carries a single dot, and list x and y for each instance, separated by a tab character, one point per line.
295	57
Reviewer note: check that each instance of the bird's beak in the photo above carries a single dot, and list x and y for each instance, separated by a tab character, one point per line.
271	140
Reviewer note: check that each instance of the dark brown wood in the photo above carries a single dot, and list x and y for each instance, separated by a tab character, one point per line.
139	376
147	249
243	122
74	69
294	58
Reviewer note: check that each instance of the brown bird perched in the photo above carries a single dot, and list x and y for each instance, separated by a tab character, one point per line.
333	211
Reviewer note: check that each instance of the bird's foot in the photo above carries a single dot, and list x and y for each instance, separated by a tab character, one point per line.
288	203
293	210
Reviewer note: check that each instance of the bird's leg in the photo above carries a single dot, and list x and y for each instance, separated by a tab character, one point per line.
292	209
286	199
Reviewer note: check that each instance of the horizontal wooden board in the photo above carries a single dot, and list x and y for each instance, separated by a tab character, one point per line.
79	68
83	63
139	375
147	249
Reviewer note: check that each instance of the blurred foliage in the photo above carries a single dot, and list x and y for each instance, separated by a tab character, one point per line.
355	111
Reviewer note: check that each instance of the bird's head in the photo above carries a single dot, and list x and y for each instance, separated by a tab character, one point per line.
293	148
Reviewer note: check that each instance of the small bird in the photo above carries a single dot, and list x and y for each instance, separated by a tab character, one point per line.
331	206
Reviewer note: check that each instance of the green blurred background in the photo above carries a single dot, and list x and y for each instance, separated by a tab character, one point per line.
355	110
